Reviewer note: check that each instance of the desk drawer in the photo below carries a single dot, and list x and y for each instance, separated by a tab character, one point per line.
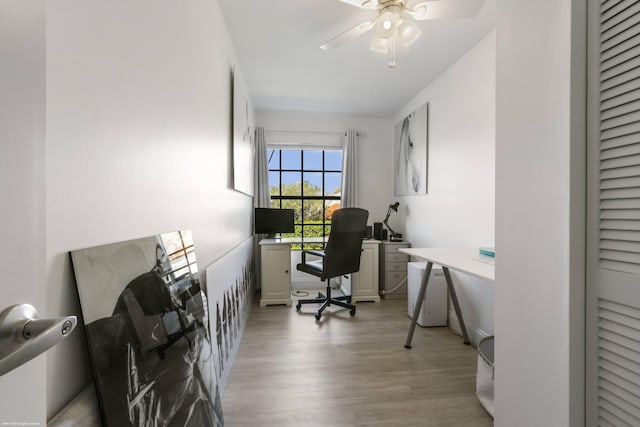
396	257
392	279
396	266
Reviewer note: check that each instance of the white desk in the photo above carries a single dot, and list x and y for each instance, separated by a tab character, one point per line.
466	260
275	275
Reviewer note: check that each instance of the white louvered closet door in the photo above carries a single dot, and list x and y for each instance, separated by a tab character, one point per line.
613	215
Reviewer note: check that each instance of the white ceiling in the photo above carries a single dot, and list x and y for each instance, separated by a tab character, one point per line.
277	44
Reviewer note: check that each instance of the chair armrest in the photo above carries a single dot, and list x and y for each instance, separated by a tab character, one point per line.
311	252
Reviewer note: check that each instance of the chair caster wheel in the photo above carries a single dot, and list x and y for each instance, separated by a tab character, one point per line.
352	312
298	306
318	316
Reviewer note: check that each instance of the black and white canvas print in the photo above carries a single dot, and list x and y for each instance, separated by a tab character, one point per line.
147	325
411	153
231	280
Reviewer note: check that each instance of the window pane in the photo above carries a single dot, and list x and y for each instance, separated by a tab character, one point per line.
274	183
273	159
296	205
297	233
312	160
332	183
275	204
333	160
331	206
313	246
291	159
312	183
291	183
313	212
313	232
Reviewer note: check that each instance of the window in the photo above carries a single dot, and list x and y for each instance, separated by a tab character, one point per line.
309	182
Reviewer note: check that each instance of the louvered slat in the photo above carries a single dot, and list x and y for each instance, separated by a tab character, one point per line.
620	245
620	48
620	193
615	224
633	170
618	366
622	382
603	422
615	388
622	330
610	8
622	120
628	98
622	418
617	235
632	127
617	110
620	214
622	16
621	32
621	90
621	162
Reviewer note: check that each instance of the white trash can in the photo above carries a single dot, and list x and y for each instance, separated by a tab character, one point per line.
484	375
434	306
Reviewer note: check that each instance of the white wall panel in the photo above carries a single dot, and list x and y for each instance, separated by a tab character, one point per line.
458	209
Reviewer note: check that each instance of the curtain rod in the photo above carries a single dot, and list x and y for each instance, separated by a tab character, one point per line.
359	133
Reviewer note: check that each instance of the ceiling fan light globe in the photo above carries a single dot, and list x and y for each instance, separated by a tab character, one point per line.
380	45
408	32
387	22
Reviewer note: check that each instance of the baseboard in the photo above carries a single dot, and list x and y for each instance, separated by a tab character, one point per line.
475	334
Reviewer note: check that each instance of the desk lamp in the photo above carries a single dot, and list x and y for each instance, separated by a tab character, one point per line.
393	236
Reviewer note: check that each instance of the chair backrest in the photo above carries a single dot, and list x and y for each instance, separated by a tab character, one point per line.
342	254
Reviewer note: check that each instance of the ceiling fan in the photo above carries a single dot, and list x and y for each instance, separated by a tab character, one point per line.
395	21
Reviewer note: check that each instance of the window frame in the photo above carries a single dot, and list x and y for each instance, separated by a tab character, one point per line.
326	223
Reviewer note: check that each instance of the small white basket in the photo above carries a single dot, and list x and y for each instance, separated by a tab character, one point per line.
484	376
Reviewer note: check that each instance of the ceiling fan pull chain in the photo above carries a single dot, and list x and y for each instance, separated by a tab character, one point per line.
392	63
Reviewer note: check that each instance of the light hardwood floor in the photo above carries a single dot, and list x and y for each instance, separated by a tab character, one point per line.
344	371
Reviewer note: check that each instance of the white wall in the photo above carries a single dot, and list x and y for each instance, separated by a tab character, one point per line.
22	214
372	158
458	210
138	134
540	213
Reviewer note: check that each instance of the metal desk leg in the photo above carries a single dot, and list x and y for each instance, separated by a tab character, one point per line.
416	310
454	299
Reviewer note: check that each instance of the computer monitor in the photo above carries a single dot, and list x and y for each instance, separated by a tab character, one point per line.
272	221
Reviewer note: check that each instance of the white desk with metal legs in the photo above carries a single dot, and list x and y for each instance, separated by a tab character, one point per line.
465	260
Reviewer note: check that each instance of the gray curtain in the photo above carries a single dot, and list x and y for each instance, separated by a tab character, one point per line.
261	198
349	171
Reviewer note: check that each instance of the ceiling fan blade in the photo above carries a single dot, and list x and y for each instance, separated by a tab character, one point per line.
347	35
445	9
363	4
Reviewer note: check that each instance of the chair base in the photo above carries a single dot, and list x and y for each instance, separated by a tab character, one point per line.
326	301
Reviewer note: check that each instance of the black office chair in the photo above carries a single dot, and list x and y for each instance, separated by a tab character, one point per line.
341	256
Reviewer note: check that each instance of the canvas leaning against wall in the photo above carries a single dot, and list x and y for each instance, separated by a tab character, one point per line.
147	325
411	153
231	280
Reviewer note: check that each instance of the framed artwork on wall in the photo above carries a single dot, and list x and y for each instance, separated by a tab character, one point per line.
411	153
243	138
147	326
